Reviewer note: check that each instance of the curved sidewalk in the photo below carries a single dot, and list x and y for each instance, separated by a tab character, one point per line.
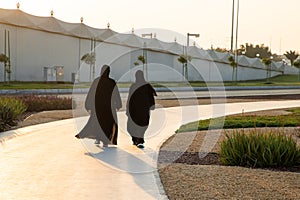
46	161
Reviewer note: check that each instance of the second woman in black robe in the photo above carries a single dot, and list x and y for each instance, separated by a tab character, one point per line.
140	102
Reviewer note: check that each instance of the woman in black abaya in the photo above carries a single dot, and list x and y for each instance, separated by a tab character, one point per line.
103	100
140	102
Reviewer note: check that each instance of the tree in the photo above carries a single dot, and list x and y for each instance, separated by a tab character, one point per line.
219	49
292	56
267	62
183	59
90	59
233	64
142	59
251	51
297	64
4	59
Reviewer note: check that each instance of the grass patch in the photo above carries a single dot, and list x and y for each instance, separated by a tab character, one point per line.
282	80
35	85
259	149
246	121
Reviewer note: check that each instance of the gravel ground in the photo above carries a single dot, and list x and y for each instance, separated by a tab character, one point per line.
182	181
185	176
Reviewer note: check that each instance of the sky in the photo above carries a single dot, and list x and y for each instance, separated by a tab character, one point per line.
274	23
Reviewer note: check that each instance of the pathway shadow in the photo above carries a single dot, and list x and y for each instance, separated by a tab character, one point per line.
139	163
133	160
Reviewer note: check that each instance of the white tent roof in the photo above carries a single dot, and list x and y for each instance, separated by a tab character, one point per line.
212	55
256	62
243	60
223	56
174	47
196	52
131	40
80	30
154	43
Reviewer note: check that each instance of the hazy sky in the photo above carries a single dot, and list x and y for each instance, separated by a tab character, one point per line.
272	22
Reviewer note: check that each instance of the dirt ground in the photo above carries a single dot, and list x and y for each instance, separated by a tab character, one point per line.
48	116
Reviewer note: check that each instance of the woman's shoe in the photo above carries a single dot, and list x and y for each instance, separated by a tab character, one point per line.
77	136
141	146
105	145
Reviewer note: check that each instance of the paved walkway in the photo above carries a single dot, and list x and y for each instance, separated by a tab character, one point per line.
46	161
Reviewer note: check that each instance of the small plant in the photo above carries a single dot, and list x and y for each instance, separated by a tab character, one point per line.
259	150
10	111
297	130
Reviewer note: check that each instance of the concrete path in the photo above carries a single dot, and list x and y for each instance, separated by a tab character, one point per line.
46	161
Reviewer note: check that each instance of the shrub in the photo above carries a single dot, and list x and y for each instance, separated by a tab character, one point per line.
259	150
10	111
36	103
297	130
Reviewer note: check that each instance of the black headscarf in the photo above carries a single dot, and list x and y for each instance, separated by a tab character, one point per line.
105	71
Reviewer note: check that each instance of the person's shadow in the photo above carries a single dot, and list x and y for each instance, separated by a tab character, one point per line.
140	163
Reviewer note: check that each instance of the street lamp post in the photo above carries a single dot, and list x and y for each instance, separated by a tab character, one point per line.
145	53
147	34
269	70
236	38
186	52
234	52
191	34
284	64
232	25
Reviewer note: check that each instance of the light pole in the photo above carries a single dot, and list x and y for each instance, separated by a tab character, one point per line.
145	53
236	38
232	25
284	64
147	34
187	46
191	34
269	74
234	52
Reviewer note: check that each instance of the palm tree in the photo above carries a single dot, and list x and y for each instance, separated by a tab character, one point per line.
142	59
292	56
267	62
233	64
183	59
4	59
297	64
90	59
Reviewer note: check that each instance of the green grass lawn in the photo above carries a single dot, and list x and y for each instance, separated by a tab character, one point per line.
283	80
35	85
246	121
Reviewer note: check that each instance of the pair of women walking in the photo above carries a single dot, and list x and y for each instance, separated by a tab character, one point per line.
103	101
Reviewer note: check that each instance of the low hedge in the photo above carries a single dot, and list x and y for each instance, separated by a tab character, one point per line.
37	103
12	107
10	111
259	150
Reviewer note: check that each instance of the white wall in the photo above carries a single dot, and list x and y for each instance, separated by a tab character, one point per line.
31	50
